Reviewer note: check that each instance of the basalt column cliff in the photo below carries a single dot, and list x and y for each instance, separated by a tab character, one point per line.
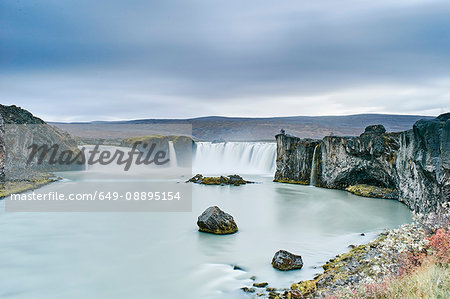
411	166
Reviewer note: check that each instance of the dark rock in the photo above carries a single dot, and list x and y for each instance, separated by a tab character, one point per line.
423	164
214	220
362	234
17	140
236	267
253	277
284	260
273	295
248	290
294	159
235	180
375	129
444	117
351	246
260	284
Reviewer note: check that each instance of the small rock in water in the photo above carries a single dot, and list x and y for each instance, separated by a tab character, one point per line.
253	277
215	221
351	246
260	284
248	290
284	260
236	267
363	234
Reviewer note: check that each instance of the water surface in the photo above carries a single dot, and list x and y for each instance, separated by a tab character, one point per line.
162	255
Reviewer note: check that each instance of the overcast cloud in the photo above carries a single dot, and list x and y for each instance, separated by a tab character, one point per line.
102	60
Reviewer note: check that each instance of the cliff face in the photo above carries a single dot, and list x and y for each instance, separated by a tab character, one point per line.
412	166
294	159
14	142
367	159
423	164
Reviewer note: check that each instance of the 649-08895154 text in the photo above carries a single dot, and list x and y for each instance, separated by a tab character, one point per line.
102	196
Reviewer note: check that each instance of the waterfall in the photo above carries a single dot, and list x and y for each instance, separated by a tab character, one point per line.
172	155
235	158
312	180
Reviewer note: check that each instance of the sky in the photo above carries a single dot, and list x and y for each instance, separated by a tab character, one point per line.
108	60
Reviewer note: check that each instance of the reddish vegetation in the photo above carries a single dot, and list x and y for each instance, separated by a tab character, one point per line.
423	274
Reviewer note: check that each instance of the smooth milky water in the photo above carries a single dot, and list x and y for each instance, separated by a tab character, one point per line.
162	255
234	157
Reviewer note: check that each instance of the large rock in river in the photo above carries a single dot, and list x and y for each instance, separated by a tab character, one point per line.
284	260
214	220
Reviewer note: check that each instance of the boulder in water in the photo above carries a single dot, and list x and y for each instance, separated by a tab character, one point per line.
284	260
215	221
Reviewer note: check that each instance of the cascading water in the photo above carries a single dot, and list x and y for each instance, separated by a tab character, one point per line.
312	180
172	155
235	158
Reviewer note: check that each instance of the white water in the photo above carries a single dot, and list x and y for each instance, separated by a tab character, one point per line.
172	155
235	158
312	180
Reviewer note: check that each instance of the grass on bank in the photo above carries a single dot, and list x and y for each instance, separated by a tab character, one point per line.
424	274
15	187
430	280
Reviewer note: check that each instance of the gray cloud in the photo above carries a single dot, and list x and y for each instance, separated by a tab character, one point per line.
84	60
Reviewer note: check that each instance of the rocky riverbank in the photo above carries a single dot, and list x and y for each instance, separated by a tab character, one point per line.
16	187
394	256
19	130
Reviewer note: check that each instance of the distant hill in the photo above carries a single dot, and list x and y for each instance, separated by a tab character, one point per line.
247	129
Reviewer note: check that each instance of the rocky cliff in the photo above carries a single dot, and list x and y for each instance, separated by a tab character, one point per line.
294	159
411	166
423	164
18	130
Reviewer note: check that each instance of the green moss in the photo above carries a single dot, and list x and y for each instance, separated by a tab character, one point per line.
234	180
15	187
306	287
145	139
373	191
223	231
288	181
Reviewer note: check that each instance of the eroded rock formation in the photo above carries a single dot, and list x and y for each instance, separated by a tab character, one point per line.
413	166
18	130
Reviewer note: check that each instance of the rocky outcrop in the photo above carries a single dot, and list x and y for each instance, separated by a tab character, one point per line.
18	130
234	180
284	261
215	221
365	160
423	164
294	157
411	166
